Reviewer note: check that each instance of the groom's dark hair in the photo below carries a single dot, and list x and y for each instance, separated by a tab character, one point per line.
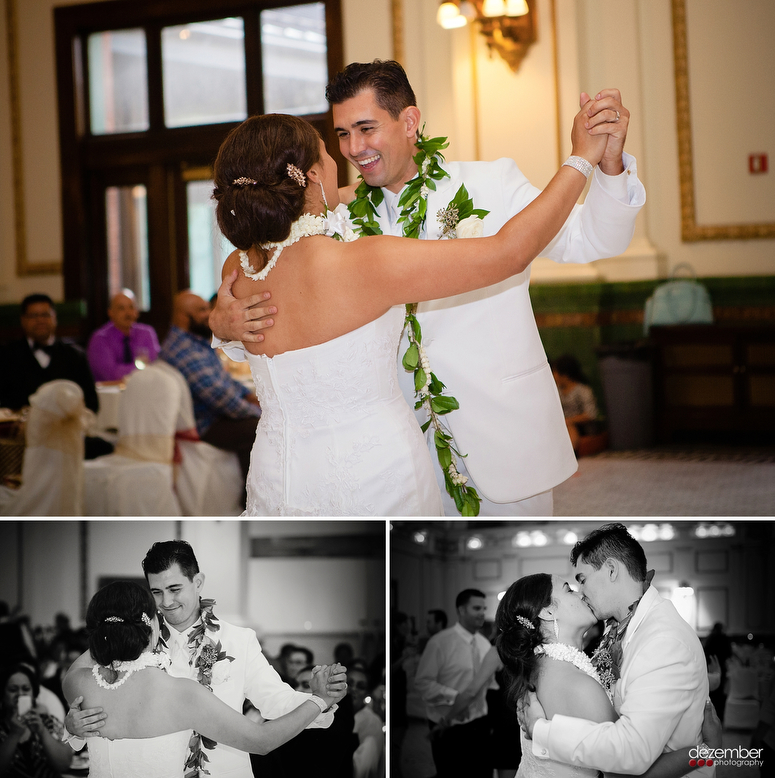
164	554
387	78
611	541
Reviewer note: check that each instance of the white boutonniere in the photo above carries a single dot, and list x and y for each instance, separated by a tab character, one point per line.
471	227
338	224
460	219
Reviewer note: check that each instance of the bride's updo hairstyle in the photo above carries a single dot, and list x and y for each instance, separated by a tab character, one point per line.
261	207
114	619
519	631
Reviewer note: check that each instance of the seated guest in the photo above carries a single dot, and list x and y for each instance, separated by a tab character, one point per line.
368	759
296	659
226	412
30	738
301	756
41	357
577	398
115	346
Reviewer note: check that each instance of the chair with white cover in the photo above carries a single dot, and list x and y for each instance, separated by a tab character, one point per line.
137	479
208	480
741	710
52	471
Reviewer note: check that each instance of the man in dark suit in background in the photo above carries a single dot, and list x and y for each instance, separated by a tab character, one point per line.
40	357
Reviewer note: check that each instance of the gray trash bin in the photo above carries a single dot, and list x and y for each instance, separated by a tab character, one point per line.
626	375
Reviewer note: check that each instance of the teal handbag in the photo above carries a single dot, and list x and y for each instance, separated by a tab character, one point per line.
678	301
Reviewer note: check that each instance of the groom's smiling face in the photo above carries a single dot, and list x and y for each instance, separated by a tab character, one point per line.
177	597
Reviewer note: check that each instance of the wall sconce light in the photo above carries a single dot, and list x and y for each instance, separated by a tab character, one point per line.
509	26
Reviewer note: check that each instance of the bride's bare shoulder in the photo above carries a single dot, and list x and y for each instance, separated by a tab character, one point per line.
564	689
231	264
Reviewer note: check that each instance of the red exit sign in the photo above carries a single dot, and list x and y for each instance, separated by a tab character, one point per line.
757	163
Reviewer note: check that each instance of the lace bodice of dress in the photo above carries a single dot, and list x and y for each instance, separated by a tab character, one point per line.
336	436
331	382
153	757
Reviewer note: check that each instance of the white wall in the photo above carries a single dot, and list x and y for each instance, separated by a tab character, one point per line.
314	601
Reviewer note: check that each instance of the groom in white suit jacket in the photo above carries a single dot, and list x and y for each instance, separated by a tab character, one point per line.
662	684
483	345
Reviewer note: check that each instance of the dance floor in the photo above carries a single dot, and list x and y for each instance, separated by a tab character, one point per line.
671	481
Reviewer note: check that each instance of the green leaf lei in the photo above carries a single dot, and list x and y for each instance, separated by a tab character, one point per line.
204	654
414	211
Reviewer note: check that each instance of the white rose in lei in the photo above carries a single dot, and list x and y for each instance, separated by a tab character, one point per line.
471	227
221	671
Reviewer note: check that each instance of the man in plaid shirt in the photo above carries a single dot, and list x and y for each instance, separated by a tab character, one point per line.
226	412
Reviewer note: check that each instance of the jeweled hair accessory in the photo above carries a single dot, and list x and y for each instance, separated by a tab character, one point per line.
296	174
146	620
526	623
116	619
242	181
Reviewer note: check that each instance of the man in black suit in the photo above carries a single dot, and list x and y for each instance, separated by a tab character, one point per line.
41	357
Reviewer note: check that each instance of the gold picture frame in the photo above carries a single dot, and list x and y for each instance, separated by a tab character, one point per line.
690	230
23	266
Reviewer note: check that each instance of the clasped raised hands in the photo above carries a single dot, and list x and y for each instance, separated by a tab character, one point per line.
329	682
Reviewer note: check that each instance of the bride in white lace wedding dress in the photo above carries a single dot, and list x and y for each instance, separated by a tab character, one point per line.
151	716
336	437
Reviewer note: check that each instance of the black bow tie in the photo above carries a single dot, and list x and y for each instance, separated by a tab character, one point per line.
47	349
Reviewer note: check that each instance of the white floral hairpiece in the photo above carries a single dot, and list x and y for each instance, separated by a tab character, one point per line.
526	623
146	620
296	174
116	619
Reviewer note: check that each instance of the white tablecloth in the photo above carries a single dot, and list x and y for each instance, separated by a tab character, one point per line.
107	418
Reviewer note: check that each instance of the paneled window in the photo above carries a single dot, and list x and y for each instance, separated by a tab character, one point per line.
295	70
203	66
147	93
207	248
118	81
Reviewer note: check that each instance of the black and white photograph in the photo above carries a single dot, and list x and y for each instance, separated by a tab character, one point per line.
571	648
161	649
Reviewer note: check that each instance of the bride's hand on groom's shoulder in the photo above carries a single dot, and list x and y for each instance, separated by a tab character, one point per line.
529	710
84	723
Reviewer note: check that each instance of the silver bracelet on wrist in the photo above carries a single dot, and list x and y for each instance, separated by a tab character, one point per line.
580	164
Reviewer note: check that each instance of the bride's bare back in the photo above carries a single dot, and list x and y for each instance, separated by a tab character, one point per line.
151	703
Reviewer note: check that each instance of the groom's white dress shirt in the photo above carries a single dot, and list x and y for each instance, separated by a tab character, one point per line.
660	698
446	668
250	677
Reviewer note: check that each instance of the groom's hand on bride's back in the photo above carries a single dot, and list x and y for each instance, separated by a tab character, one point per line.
234	319
84	723
529	710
